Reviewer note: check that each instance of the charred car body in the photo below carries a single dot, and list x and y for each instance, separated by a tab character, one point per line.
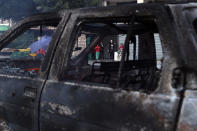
62	88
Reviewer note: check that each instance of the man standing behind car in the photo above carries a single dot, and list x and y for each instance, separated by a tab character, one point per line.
111	49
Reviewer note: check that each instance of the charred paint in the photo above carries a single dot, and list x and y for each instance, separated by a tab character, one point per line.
72	106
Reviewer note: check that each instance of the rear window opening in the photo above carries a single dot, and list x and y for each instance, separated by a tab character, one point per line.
117	53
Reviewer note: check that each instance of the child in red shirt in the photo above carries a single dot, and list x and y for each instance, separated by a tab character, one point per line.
97	50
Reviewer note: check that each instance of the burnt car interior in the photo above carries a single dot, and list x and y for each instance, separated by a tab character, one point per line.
135	67
26	47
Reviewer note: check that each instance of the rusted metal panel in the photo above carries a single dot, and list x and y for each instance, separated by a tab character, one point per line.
183	18
104	107
188	116
18	110
71	106
78	106
20	94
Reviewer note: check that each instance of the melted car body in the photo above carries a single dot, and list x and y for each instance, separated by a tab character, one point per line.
119	68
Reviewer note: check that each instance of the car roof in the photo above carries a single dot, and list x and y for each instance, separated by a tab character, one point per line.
131	6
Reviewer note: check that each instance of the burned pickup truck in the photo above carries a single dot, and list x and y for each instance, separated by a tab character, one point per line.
57	73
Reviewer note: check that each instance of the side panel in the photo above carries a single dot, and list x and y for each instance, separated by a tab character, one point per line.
19	98
78	107
185	18
85	107
188	115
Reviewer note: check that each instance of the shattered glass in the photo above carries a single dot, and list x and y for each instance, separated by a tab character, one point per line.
23	55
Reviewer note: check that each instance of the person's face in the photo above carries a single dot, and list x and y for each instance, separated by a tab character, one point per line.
111	41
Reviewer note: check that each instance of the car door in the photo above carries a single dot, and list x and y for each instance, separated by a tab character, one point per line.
186	19
94	97
23	71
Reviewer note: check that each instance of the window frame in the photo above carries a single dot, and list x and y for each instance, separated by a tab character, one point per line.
79	16
41	19
76	31
183	16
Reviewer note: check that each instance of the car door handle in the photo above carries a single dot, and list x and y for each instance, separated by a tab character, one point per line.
30	92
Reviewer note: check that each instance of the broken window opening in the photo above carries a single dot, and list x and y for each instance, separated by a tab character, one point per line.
23	55
99	58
